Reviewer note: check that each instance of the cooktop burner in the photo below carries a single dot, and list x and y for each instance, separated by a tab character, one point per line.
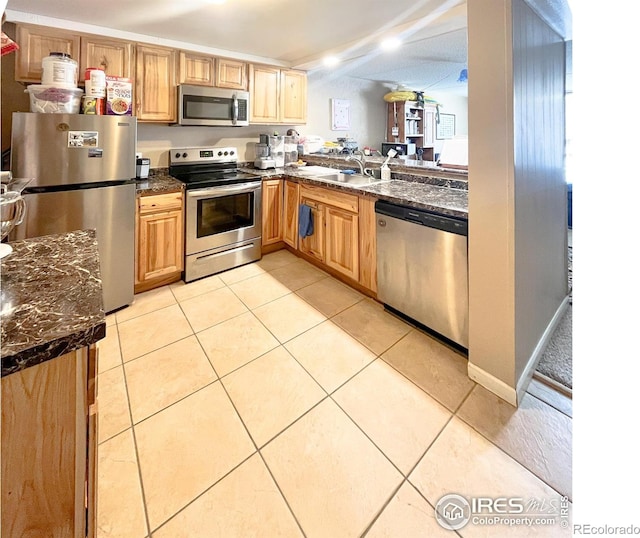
207	167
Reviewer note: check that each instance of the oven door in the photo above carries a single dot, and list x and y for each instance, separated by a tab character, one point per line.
223	215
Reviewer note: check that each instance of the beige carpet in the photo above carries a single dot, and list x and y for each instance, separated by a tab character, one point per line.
557	361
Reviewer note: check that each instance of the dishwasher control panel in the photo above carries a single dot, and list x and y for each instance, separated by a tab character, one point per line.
422	217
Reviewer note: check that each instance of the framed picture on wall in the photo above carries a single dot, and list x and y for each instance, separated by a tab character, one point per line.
340	114
446	128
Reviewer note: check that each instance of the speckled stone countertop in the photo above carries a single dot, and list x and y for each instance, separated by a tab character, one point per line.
438	196
159	182
433	189
51	299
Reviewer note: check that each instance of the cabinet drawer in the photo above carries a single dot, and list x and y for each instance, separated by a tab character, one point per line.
342	200
160	202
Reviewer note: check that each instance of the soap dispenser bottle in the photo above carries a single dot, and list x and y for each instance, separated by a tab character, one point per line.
385	171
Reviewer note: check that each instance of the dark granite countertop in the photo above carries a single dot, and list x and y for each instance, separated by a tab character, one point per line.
51	299
424	187
424	192
159	182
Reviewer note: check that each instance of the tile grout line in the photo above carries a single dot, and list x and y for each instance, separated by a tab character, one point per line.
258	451
135	446
530	471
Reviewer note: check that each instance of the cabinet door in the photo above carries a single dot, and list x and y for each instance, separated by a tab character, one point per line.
231	74
112	55
264	87
290	216
156	99
367	244
44	448
159	244
271	211
341	242
313	245
196	69
293	105
36	42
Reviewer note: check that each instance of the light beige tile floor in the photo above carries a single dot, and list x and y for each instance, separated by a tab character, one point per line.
273	400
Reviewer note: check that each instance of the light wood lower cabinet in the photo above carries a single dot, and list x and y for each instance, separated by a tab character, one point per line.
367	244
159	240
314	244
290	213
341	241
336	232
271	211
49	442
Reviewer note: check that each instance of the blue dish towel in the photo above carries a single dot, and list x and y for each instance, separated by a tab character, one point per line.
305	221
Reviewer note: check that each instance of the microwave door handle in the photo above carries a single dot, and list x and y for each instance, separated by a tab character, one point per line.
216	192
234	118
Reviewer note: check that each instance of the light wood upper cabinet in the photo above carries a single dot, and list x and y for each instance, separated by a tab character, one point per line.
290	213
116	57
231	74
196	69
37	42
271	211
264	90
293	97
156	89
277	96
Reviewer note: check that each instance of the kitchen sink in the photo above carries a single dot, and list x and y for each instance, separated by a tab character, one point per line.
332	175
348	179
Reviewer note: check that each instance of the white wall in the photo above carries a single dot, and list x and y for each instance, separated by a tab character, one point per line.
368	108
458	105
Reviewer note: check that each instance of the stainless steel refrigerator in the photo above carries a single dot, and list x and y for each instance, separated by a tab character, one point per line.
84	177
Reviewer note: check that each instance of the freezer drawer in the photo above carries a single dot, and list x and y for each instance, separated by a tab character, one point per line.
422	273
110	210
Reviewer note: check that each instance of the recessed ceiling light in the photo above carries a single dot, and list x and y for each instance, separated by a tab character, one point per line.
390	43
330	61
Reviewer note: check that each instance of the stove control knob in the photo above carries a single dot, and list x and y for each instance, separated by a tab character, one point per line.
184	155
219	154
232	153
226	153
177	155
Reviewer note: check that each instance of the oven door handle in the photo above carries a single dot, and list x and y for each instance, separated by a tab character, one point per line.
216	192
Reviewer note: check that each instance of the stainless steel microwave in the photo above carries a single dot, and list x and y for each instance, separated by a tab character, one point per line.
202	105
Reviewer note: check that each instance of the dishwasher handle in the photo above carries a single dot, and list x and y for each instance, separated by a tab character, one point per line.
422	217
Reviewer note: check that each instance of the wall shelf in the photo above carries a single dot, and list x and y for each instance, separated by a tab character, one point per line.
408	123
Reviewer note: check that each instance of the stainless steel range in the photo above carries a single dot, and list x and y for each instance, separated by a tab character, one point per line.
223	215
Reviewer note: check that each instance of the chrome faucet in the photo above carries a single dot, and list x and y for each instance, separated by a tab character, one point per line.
360	161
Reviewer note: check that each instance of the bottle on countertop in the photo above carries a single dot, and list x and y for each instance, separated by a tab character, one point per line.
385	171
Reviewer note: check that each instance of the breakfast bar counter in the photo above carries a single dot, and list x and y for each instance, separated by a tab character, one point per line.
51	299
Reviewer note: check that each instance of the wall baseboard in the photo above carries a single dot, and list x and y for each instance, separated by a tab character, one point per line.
503	390
493	384
536	355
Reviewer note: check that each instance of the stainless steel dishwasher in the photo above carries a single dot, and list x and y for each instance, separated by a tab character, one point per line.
422	268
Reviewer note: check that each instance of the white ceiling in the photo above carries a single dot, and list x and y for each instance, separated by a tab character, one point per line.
296	33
